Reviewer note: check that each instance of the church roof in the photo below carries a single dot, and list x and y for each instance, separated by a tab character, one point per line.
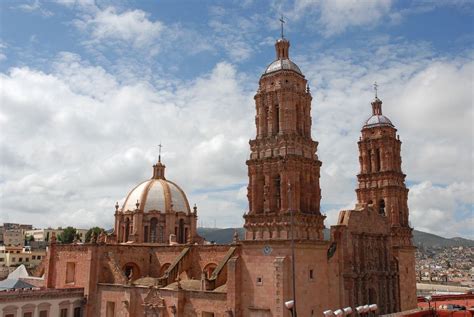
282	64
378	120
157	194
16	283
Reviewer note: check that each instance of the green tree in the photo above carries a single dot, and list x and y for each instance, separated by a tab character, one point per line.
96	230
68	235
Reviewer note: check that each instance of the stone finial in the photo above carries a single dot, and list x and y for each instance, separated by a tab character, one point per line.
137	204
116	206
195	209
236	237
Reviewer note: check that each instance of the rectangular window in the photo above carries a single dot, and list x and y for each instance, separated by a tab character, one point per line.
311	274
10	315
43	313
77	312
207	314
63	312
110	309
29	314
70	272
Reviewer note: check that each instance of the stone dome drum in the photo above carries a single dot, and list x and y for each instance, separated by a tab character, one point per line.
157	195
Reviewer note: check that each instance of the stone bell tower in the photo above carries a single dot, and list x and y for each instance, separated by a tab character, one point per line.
382	187
381	180
283	167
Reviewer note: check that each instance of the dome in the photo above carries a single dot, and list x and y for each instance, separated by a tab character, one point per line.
378	120
157	194
282	64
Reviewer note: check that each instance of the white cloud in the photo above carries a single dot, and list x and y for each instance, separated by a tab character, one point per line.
445	211
333	17
82	140
132	26
35	7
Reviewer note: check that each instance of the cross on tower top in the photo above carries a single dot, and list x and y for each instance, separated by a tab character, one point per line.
375	89
282	21
159	152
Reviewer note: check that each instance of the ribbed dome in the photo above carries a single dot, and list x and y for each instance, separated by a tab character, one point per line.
378	120
157	194
282	64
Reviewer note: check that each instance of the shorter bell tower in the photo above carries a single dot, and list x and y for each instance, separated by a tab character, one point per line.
381	180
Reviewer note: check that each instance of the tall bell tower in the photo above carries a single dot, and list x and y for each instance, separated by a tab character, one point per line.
283	168
381	180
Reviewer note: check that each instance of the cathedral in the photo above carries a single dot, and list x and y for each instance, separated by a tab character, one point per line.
155	264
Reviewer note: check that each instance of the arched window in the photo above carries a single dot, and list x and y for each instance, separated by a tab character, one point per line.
131	271
209	269
181	237
277	191
377	160
369	161
382	207
127	230
153	230
277	119
164	268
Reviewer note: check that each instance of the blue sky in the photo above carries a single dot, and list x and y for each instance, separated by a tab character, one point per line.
89	88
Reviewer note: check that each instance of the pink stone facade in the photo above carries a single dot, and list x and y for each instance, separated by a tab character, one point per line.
368	259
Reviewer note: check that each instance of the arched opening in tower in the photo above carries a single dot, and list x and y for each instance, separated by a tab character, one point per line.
382	207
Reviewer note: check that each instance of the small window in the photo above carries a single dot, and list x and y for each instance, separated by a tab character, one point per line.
20	260
77	312
63	312
311	274
382	207
110	309
28	314
259	280
70	272
207	314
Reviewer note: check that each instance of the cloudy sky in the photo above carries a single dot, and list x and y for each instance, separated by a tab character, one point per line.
88	89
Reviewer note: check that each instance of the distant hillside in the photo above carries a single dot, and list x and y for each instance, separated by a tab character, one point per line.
225	236
431	240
